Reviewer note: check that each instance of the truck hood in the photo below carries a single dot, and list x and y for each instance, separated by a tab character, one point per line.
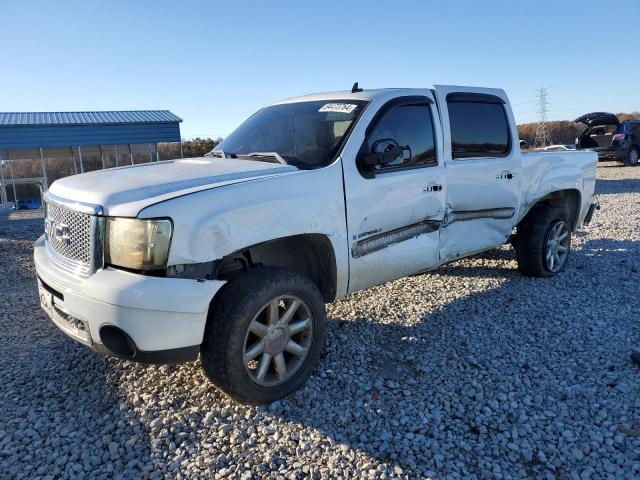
597	118
127	190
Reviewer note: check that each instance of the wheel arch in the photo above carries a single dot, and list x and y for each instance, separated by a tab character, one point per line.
570	200
308	254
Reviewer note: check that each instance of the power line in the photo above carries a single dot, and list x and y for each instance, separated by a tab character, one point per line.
543	137
528	102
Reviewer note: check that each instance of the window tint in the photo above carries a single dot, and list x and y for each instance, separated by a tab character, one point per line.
306	134
478	129
411	126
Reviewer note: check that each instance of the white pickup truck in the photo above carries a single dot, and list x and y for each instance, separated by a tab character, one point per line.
233	256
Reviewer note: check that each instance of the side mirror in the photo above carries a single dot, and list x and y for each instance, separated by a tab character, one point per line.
385	151
523	144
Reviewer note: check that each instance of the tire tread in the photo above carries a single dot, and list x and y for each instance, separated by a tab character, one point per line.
222	340
530	240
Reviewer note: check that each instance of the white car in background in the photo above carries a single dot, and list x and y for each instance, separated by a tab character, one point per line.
558	148
233	256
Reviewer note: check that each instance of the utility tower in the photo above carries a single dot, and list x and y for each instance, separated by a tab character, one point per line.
543	137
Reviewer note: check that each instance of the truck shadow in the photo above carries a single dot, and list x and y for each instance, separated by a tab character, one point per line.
414	388
422	389
497	263
609	186
92	428
435	387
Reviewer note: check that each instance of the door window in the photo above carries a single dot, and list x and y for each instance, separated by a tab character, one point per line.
411	127
478	129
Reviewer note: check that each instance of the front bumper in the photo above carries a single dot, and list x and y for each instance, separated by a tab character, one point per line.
164	318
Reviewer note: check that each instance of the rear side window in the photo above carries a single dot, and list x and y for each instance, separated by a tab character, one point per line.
478	130
410	126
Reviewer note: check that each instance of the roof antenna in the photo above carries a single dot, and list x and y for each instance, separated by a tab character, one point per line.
355	88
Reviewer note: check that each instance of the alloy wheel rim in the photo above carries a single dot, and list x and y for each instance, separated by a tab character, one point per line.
633	157
278	340
557	247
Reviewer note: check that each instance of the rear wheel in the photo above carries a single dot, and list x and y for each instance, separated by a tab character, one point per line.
543	242
632	157
265	335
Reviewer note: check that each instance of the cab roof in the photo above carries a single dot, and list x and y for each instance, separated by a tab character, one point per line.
369	95
366	95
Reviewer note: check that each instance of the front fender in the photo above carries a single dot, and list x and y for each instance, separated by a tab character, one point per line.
211	224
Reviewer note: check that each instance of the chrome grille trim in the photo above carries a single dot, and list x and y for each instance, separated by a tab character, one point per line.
76	246
67	264
77	229
81	207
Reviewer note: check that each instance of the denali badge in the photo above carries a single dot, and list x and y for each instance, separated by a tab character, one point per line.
57	230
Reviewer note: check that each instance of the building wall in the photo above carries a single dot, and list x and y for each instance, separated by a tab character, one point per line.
75	135
22	173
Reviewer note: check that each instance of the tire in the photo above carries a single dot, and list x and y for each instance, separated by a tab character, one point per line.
248	300
632	157
535	241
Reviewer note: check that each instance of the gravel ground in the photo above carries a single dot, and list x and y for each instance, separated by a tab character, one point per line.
473	371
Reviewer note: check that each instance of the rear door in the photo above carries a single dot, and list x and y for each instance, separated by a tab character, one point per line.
394	211
482	159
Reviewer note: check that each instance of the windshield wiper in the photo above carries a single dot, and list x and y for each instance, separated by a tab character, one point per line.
220	154
274	155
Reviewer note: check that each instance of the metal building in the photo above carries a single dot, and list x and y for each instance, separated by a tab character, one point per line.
37	148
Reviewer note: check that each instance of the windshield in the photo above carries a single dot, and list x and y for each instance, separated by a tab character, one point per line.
305	134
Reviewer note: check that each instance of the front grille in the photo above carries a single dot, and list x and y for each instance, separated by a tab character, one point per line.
74	241
71	238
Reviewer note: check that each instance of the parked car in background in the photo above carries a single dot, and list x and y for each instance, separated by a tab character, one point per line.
610	138
233	256
28	204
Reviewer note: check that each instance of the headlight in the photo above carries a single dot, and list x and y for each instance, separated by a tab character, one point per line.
137	243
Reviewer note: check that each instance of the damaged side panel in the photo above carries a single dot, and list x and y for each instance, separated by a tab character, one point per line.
395	260
469	231
549	173
379	241
215	223
464	238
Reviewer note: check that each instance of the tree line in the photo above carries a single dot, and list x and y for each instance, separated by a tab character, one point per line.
196	147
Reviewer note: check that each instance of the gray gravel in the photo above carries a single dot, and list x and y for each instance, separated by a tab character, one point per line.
472	371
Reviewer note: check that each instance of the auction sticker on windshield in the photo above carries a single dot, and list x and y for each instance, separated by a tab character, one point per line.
338	107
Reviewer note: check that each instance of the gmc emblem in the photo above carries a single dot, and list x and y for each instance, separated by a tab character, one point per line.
57	230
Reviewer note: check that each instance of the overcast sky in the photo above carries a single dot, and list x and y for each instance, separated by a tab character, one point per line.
213	64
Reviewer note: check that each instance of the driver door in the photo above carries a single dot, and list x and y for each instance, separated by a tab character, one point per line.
394	208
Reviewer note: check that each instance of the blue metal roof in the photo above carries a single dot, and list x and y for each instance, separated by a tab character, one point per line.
30	119
63	129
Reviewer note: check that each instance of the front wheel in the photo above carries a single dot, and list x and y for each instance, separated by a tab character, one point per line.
264	335
543	242
632	157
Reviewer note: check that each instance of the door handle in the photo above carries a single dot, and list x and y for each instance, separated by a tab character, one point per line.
432	187
505	175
